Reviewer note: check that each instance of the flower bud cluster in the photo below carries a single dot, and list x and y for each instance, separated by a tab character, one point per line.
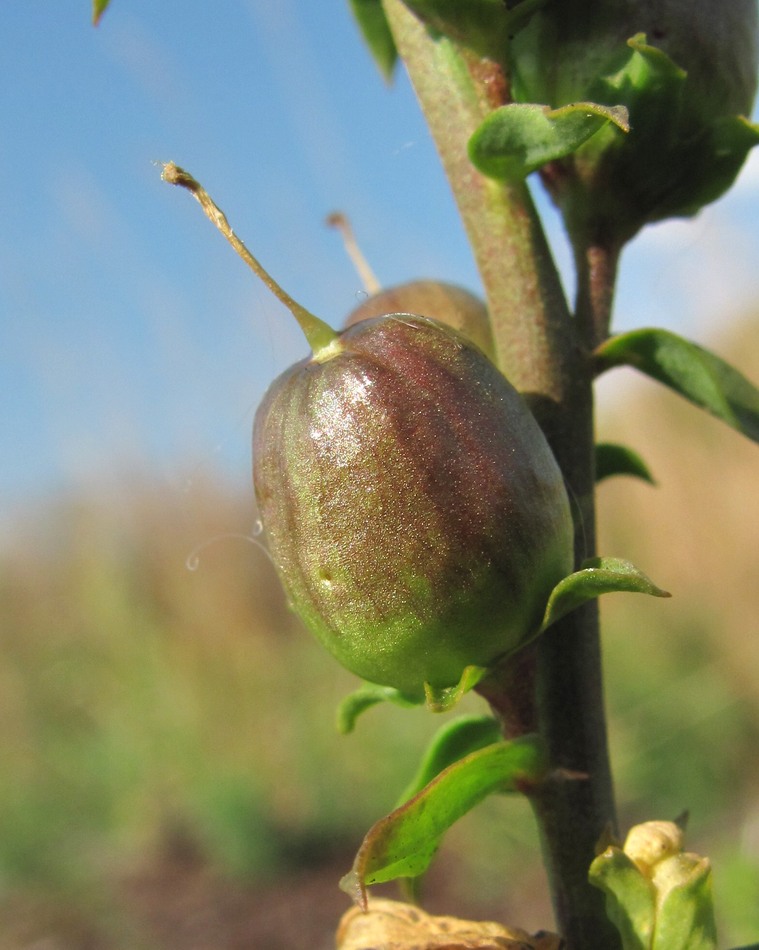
686	70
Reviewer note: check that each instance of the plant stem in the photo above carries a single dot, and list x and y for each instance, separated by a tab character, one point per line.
544	354
527	307
570	689
596	263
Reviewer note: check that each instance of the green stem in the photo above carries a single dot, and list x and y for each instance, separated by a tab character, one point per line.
579	797
527	307
542	351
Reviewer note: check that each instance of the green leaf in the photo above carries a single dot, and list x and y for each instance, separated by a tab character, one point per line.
98	9
375	29
403	843
612	459
517	139
364	698
599	575
685	918
630	898
695	373
450	743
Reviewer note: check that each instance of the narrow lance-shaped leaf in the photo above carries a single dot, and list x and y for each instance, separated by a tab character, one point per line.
517	139
375	29
450	743
598	575
404	842
693	372
612	459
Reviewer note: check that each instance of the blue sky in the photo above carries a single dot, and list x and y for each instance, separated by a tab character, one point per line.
131	337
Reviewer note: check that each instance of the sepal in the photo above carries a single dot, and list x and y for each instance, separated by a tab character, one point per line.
484	26
364	698
441	699
520	138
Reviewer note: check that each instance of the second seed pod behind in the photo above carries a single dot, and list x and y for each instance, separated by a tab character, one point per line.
448	303
436	299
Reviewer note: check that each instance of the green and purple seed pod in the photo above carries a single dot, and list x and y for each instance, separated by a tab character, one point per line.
414	511
413	508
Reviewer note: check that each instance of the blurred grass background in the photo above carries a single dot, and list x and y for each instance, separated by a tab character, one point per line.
164	715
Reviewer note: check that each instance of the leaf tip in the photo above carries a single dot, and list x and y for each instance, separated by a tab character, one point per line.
354	887
98	9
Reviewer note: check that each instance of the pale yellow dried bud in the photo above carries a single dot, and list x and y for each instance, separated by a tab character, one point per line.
651	842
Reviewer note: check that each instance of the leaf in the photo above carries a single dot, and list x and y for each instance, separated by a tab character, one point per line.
630	897
364	698
614	459
693	372
98	9
599	575
452	742
377	35
517	139
403	843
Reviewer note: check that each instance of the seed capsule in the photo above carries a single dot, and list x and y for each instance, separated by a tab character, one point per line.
413	509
